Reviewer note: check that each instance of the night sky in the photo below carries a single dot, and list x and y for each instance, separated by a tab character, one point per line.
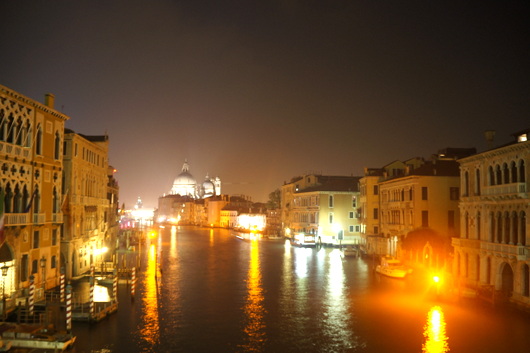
257	92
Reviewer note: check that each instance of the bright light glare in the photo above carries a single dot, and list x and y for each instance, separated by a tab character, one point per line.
101	251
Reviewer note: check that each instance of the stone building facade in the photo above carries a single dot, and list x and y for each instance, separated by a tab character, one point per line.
493	250
31	143
86	204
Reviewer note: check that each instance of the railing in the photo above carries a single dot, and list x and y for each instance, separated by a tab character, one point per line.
520	251
39	218
466	243
21	219
14	150
57	218
16	219
505	189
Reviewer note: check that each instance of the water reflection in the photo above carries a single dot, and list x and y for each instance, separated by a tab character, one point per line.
337	317
434	332
254	309
150	329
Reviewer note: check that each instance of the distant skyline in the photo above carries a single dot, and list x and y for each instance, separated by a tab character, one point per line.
259	92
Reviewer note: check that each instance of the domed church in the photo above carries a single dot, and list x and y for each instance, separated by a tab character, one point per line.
186	185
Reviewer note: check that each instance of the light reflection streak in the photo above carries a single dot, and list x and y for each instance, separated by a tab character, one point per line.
301	262
254	309
173	243
150	329
337	317
434	332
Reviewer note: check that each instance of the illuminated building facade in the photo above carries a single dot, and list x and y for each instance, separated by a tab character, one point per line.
419	210
184	204
322	209
186	185
493	250
31	143
86	204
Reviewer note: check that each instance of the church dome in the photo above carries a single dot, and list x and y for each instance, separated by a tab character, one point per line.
184	178
208	187
184	184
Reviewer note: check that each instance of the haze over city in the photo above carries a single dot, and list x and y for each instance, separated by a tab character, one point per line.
259	92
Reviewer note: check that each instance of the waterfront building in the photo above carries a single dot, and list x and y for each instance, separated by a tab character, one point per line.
31	143
419	210
493	250
113	215
321	209
86	235
411	207
369	207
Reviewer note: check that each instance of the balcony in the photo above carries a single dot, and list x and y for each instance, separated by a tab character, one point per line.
520	252
57	218
466	243
24	219
39	218
513	189
16	219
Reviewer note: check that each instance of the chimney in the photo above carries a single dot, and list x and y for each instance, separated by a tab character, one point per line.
49	100
490	136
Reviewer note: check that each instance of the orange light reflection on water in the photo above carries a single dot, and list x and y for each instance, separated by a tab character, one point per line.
434	332
254	310
151	328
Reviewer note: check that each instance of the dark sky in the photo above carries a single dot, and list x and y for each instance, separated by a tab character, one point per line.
257	92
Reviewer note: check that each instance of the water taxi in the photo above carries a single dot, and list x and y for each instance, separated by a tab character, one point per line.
392	267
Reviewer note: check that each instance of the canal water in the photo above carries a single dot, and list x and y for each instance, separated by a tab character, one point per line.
204	290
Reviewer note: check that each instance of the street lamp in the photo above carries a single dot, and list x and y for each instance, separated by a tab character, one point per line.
4	269
43	266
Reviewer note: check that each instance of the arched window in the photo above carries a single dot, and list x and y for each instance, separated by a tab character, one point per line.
36	201
38	141
8	200
492	227
499	227
521	171
57	146
478	226
10	128
466	183
505	174
477	182
506	221
25	199
515	229
513	172
491	174
18	132
55	205
27	139
498	176
17	201
523	228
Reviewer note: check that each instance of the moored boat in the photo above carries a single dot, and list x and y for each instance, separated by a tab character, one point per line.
392	267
